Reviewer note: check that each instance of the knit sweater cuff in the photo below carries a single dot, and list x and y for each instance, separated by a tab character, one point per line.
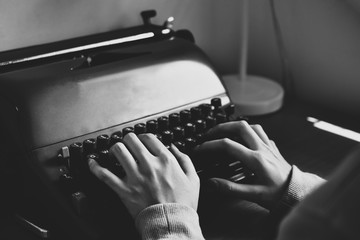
168	221
300	185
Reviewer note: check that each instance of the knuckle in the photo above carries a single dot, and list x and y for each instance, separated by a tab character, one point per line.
241	126
226	143
258	157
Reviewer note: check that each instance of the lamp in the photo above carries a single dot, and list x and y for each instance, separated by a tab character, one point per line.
252	95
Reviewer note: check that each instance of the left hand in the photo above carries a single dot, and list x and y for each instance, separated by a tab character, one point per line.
153	174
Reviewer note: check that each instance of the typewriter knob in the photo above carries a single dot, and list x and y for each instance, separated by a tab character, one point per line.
147	15
185	117
163	123
140	128
174	120
200	126
180	145
190	143
206	109
104	159
230	110
167	138
179	133
89	146
103	142
216	102
189	130
152	126
116	137
195	113
127	130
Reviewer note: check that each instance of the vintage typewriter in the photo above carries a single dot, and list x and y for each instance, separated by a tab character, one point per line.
66	101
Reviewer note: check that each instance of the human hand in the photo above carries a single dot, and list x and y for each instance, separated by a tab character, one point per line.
251	146
153	174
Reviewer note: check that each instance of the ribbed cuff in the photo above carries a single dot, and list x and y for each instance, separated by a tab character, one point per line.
300	185
168	221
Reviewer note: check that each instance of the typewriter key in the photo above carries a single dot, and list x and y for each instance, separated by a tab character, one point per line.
102	142
152	126
127	130
139	128
174	120
163	124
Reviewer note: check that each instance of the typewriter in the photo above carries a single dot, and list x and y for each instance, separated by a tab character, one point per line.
66	101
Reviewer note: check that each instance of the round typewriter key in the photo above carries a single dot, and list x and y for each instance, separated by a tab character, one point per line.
200	126
230	110
104	159
216	102
180	145
163	123
195	113
185	117
206	109
89	146
174	120
190	143
140	128
127	130
189	130
102	142
116	137
179	133
167	138
152	126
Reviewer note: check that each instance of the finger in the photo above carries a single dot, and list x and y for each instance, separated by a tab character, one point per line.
229	147
244	191
183	160
124	157
152	143
236	129
136	147
261	133
104	175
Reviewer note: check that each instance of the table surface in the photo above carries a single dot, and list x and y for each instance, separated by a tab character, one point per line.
309	148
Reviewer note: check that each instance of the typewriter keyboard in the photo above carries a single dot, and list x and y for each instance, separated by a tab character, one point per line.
184	129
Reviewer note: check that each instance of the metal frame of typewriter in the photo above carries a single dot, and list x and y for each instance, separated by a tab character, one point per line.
51	98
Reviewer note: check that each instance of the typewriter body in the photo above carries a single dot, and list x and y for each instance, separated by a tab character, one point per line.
58	107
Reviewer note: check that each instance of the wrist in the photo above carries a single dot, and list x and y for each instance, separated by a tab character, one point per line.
169	219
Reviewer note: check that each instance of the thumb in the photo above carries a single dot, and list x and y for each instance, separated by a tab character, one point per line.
244	191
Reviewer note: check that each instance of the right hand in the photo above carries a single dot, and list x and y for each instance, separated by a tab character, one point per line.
251	146
153	174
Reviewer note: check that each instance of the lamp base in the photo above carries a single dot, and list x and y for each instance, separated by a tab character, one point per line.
254	96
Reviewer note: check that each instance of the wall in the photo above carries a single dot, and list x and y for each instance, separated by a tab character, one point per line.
322	38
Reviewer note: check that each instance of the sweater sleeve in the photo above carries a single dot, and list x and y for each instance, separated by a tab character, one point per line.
299	186
168	221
